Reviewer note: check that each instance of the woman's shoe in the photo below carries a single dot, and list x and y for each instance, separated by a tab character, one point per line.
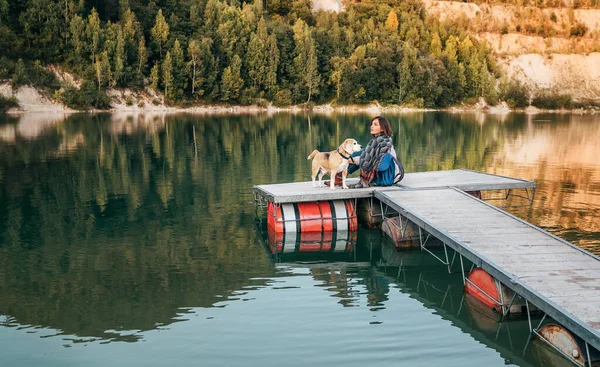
337	181
359	185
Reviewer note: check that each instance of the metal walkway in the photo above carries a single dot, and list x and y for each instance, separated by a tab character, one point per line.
559	278
462	179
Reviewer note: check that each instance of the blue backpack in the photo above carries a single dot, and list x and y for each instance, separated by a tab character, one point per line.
386	171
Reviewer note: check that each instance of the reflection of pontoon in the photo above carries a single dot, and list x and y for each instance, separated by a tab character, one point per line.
421	276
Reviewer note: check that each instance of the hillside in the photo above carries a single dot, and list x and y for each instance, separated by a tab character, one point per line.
548	48
127	54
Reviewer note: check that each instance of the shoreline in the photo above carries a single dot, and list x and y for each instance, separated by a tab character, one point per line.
316	109
32	101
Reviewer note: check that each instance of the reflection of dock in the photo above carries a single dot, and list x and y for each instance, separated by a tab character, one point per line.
557	277
444	293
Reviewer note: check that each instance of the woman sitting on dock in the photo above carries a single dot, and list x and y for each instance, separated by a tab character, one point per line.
377	162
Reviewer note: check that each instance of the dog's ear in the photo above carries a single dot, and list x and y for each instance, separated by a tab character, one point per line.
347	145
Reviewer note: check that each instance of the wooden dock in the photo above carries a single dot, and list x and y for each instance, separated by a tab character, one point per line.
462	179
559	278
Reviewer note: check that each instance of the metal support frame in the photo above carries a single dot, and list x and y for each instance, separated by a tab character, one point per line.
423	243
541	337
529	196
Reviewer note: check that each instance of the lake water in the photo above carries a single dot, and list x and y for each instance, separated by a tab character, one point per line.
130	240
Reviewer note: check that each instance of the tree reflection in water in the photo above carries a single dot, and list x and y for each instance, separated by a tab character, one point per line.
118	222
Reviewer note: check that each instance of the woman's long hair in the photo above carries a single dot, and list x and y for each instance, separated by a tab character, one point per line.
386	128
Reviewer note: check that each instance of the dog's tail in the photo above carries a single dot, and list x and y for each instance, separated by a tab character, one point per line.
313	154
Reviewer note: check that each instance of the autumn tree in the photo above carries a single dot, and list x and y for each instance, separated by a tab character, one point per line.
392	21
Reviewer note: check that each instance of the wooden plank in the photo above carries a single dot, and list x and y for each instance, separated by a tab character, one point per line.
537	264
462	179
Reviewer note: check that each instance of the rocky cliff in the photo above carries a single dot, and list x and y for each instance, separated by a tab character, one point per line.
556	49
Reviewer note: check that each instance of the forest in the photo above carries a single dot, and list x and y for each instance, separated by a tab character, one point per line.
248	52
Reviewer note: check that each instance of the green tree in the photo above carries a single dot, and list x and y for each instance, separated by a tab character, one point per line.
142	58
123	8
233	32
102	69
43	28
167	74
3	12
160	31
303	10
305	61
256	61
272	64
154	78
194	52
93	33
202	63
119	58
405	75
77	40
179	70
337	75
232	82
70	9
436	45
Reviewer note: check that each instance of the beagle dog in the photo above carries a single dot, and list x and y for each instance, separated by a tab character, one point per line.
333	162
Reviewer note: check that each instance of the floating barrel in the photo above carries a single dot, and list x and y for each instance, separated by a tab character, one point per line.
320	222
567	343
493	293
404	233
369	212
477	194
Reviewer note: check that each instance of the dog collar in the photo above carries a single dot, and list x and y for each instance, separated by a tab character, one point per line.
345	157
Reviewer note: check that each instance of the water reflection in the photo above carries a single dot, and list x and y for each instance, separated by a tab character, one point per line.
424	278
110	225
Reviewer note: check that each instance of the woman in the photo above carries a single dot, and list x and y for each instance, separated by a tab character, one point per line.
377	162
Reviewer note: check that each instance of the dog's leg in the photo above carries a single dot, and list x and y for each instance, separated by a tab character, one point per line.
344	173
332	180
313	176
321	173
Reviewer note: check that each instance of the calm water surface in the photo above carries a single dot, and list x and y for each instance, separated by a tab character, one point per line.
130	240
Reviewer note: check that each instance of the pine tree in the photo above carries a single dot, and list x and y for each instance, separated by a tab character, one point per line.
272	64
232	82
194	54
160	31
70	10
405	76
119	58
305	61
123	8
256	61
167	74
77	39
102	69
92	31
436	45
179	70
154	78
142	58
